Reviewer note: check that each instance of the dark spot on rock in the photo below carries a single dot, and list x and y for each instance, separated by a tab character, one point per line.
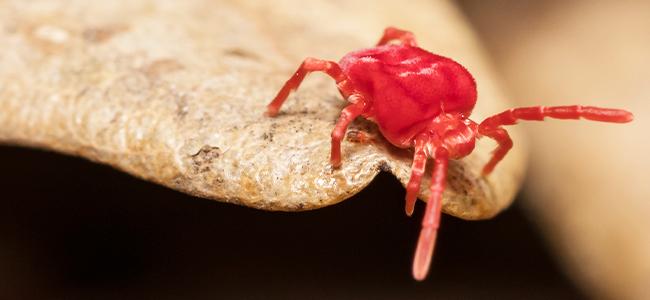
268	136
218	180
307	112
240	53
202	160
103	33
384	166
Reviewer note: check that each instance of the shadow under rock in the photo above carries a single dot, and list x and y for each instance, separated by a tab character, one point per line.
73	229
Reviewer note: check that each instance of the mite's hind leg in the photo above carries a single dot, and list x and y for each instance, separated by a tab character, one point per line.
392	33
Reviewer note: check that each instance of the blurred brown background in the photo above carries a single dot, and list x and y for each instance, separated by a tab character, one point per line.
71	229
588	184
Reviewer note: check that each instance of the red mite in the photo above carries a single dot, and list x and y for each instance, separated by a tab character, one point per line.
423	101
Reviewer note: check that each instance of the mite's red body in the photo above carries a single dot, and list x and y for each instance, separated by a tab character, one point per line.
406	87
423	101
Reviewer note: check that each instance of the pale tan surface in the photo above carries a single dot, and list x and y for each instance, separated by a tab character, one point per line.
588	184
173	92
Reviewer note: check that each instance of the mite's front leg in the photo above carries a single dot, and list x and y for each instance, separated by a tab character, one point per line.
348	114
417	170
491	127
309	65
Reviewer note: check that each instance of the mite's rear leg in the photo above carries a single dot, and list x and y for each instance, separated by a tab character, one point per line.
310	65
431	220
348	114
392	33
491	127
417	170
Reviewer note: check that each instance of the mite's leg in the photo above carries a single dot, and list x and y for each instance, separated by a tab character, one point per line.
392	33
491	127
358	137
417	170
431	220
504	142
310	65
348	114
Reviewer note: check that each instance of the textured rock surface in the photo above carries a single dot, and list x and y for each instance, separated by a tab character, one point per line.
173	92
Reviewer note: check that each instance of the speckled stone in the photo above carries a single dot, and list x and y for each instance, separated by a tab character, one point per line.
174	92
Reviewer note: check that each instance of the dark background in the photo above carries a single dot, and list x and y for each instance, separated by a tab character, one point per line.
72	229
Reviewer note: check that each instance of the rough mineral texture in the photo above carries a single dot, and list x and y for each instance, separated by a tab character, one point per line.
174	92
